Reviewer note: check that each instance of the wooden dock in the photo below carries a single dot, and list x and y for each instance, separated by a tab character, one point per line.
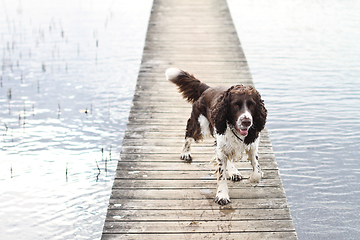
155	194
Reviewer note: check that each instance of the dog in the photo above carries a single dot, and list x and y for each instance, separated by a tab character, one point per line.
234	116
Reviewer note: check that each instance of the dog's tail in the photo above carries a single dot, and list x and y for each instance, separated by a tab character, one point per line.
190	87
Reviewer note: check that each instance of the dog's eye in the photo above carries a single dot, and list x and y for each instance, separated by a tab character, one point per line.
250	104
237	104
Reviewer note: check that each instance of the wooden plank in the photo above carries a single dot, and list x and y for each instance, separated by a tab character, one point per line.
171	215
169	149
160	204
178	142
157	195
183	183
192	166
189	235
174	157
181	174
175	139
186	193
201	226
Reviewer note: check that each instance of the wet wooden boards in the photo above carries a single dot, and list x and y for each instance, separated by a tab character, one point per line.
156	195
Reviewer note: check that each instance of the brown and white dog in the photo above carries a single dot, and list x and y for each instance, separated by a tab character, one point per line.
235	115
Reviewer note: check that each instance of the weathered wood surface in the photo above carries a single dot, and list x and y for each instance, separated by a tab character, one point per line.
156	195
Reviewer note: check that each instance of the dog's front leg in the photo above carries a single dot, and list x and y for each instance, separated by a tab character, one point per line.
234	174
222	193
256	174
185	153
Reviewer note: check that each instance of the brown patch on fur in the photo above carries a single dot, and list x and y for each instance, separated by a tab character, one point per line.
216	105
190	87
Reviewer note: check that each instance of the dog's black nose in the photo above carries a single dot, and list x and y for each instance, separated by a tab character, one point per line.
246	122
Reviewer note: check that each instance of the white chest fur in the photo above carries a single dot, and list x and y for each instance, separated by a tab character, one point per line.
230	145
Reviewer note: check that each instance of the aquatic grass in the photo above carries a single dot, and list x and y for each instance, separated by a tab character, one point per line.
59	105
24	118
9	99
59	112
105	162
102	153
4	134
66	172
97	165
110	153
9	94
24	109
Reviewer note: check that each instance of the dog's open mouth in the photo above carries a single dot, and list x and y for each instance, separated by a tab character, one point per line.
242	131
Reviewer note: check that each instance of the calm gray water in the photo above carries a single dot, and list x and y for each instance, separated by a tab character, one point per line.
72	67
68	73
304	56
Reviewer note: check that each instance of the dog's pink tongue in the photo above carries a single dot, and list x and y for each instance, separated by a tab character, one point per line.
243	132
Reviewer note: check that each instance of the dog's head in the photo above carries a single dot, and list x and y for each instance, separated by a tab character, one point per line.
242	108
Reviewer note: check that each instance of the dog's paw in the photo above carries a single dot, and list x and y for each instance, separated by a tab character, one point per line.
222	197
222	201
186	156
236	177
256	176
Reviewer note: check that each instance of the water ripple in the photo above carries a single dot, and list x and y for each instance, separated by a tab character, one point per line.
304	57
68	75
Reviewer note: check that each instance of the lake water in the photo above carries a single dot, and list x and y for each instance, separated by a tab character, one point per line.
68	73
305	60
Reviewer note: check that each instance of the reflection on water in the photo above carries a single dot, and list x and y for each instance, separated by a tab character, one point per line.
68	72
305	60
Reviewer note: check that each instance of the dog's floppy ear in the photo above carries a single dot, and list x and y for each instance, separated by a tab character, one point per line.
260	112
259	118
219	112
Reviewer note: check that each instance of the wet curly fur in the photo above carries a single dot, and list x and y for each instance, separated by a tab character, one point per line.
221	116
235	115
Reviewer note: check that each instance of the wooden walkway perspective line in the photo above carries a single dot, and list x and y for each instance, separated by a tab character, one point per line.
156	195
